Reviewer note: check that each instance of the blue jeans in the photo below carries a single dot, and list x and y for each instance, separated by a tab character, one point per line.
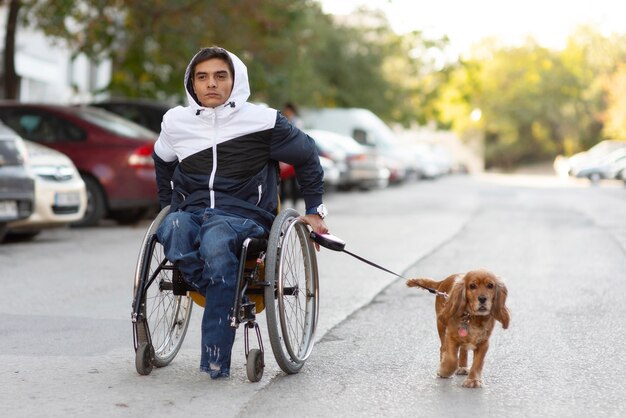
205	246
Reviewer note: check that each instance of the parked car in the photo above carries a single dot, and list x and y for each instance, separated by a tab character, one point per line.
358	166
618	170
432	160
331	173
112	154
368	130
605	167
147	113
289	188
567	166
60	192
17	186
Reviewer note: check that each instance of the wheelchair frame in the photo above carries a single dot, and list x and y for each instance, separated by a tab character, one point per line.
279	273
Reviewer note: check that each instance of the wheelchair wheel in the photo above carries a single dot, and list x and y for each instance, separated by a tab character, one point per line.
144	359
160	318
291	298
255	365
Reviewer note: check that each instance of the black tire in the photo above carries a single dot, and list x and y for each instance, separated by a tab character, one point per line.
164	316
96	203
143	359
291	299
255	365
3	231
595	177
24	235
128	216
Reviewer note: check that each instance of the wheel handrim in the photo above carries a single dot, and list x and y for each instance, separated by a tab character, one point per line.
297	292
166	313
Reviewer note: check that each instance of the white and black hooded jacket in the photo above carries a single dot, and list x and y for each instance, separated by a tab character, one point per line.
226	157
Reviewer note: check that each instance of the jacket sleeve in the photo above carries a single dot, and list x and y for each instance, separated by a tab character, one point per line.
165	163
164	173
292	146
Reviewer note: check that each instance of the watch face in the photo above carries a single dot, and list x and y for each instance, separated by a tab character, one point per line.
322	211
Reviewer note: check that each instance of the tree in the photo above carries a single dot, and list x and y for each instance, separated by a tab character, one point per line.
10	79
293	50
615	115
536	102
88	27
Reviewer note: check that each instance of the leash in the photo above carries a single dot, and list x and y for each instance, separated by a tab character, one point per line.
337	244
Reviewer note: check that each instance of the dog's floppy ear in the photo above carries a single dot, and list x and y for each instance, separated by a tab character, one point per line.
455	305
500	311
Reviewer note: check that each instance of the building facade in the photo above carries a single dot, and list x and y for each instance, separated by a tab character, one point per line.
48	72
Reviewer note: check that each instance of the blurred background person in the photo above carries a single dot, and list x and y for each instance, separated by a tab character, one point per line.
289	187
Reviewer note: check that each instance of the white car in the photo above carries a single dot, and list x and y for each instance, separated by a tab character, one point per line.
568	166
359	166
606	167
60	193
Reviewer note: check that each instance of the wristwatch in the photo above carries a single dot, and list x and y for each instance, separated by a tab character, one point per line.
322	211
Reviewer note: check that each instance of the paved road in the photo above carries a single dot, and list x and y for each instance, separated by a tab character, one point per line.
66	346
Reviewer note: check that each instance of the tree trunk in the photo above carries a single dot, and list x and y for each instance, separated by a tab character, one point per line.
11	79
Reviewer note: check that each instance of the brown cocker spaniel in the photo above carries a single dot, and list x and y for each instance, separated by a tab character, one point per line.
465	320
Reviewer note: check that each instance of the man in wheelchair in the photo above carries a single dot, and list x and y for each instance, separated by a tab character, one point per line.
216	165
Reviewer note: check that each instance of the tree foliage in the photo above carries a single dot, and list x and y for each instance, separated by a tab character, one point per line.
535	102
294	52
89	27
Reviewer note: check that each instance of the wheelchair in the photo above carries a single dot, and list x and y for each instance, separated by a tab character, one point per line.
277	275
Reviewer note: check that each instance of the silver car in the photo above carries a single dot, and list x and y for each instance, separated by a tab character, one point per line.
17	185
359	166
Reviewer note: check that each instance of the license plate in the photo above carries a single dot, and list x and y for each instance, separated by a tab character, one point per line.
67	199
8	209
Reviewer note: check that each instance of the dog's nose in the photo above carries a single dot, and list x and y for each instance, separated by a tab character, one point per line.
482	299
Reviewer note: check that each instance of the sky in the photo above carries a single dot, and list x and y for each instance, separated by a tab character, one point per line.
467	21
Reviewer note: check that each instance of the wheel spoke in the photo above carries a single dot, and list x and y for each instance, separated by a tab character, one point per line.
167	315
292	270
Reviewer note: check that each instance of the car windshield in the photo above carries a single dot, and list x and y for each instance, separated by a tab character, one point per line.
114	123
331	139
379	130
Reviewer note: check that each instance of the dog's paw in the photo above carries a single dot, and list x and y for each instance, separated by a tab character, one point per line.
462	371
473	383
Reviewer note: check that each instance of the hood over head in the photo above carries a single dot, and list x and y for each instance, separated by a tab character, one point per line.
241	86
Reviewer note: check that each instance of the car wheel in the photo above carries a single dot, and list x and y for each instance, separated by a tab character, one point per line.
24	235
96	204
128	216
3	231
595	177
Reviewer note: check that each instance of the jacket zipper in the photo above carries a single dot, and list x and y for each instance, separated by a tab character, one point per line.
214	168
260	193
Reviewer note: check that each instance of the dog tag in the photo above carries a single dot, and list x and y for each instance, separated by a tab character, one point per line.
463	330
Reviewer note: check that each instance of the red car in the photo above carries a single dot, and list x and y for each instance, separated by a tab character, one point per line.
113	155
